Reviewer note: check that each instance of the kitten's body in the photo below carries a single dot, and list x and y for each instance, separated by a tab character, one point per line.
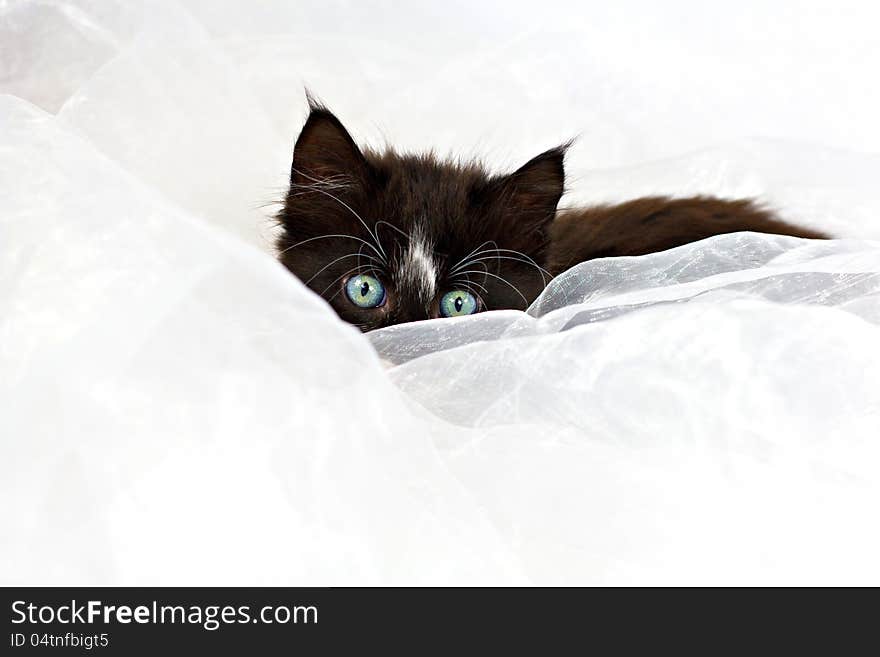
654	223
426	233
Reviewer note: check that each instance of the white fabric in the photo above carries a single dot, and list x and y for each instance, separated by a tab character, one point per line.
175	408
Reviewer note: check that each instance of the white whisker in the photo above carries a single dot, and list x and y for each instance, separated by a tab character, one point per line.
333	262
322	237
347	207
383	222
461	263
530	262
527	260
468	282
503	280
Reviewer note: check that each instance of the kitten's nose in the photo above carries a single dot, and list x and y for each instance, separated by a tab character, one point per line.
413	312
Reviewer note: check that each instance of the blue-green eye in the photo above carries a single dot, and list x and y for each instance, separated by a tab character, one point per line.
457	303
365	291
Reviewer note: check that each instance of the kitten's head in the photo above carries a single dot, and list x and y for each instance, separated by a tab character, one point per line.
388	238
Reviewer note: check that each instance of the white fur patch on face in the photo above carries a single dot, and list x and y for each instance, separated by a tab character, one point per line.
418	269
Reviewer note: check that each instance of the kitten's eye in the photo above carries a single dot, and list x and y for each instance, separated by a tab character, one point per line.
365	291
457	303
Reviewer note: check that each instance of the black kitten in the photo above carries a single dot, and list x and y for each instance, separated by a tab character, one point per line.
388	238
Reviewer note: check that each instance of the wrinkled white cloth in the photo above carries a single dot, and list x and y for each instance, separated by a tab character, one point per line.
175	408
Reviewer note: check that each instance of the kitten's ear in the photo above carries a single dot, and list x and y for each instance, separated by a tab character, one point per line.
325	150
532	192
528	197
